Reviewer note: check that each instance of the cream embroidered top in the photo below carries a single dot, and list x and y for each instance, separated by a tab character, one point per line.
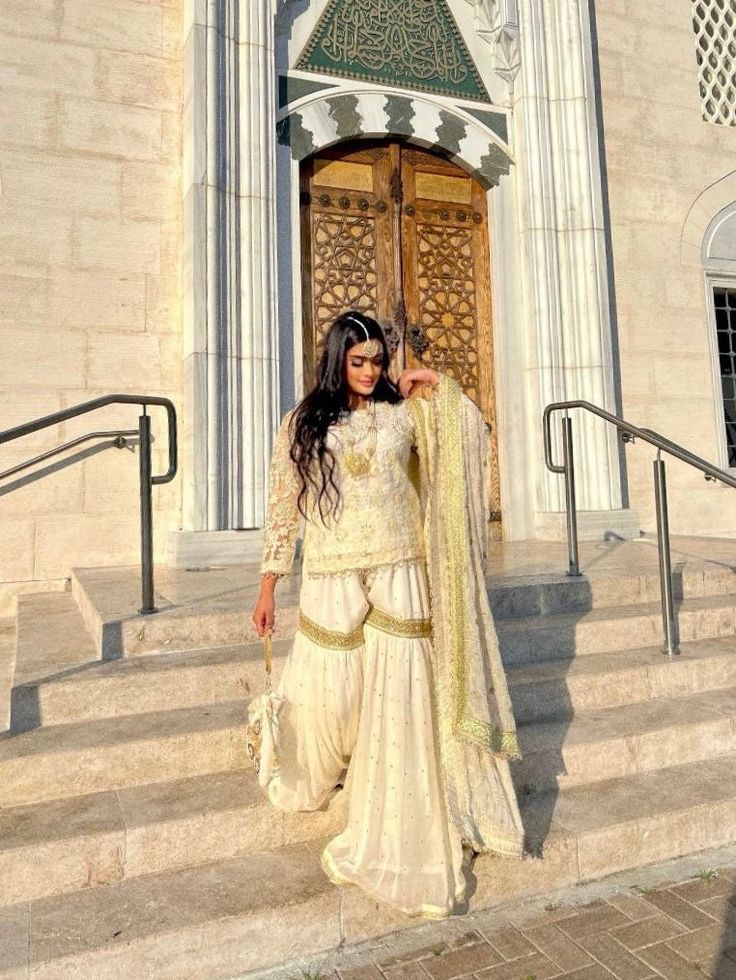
379	522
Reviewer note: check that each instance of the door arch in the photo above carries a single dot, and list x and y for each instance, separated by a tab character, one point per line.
402	233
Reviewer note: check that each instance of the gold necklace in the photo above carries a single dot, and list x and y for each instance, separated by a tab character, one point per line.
359	463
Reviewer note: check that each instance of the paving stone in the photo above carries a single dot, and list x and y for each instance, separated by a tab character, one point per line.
557	947
369	972
537	966
615	957
677	908
510	943
455	963
721	907
593	972
647	932
467	939
701	889
704	946
410	971
418	954
592	921
669	963
632	906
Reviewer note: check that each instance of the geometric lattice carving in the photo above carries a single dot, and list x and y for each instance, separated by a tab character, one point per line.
445	266
724	301
404	43
714	22
343	268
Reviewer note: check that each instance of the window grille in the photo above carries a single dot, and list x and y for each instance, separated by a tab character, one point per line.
724	302
714	22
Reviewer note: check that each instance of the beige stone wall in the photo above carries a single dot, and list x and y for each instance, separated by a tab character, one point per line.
661	157
90	238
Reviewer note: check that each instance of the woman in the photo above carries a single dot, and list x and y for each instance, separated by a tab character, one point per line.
400	698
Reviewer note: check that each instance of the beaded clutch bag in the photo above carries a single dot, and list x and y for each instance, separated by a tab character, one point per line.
262	734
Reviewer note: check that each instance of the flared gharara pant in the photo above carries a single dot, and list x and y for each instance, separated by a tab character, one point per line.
359	696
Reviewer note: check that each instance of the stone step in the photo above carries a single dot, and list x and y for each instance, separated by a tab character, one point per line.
51	637
61	761
518	596
554	689
92	753
522	639
211	920
136	827
140	685
7	667
195	611
99	838
622	741
609	629
540	691
213	608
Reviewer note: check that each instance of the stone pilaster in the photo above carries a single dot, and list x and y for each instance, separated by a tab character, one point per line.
564	266
230	335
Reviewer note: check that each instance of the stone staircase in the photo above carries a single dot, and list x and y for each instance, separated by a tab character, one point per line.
134	840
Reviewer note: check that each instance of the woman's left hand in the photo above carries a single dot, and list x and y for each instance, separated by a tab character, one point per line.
416	376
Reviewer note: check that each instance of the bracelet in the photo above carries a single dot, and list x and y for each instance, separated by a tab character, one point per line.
274	575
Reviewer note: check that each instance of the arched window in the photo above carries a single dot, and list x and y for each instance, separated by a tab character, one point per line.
714	22
719	262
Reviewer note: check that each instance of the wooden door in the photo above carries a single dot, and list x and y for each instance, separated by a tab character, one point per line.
446	274
403	235
348	240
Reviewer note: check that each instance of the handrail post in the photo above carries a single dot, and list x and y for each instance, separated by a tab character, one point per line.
144	446
570	504
669	614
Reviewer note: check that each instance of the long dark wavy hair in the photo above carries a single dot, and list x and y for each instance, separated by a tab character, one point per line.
321	408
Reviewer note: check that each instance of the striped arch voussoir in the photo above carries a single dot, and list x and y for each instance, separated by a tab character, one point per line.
332	118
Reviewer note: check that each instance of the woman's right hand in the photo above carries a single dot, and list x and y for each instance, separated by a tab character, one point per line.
264	614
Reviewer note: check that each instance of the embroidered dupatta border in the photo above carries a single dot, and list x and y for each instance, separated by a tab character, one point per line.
452	473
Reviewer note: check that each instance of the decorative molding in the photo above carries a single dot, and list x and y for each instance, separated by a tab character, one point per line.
703	211
326	119
497	22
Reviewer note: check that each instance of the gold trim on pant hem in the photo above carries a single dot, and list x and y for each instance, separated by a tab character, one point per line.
409	629
330	639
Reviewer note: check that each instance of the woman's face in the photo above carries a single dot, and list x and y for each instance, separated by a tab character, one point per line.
361	372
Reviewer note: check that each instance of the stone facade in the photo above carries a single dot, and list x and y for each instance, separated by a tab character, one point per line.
90	145
150	242
669	174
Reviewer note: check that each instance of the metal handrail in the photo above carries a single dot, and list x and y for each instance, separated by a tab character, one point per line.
147	479
662	444
119	436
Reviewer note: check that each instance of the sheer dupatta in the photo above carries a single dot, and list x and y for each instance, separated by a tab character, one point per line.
475	723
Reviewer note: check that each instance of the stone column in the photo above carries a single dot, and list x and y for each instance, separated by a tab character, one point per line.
564	263
230	325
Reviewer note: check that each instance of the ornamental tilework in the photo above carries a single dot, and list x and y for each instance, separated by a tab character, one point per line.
404	43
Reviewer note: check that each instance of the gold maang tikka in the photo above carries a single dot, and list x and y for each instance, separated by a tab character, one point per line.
372	347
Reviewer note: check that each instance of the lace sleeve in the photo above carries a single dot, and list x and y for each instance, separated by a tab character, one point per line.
283	520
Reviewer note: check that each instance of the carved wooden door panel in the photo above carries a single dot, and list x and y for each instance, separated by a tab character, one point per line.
403	235
446	279
348	240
